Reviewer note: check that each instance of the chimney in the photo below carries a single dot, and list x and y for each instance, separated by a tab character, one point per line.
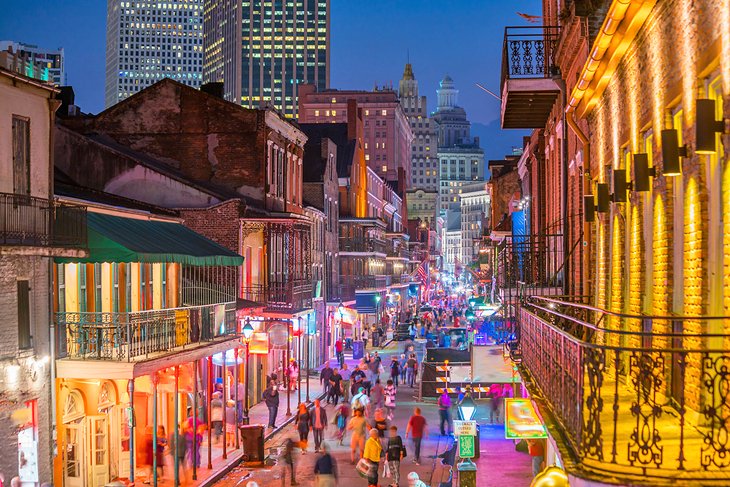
353	114
67	98
214	88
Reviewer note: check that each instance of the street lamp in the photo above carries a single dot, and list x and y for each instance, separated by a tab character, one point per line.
247	334
467	407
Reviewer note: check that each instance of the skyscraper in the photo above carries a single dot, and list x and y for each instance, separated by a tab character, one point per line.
262	50
424	163
147	40
50	59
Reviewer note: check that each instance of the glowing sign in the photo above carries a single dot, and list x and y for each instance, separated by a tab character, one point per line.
259	344
521	420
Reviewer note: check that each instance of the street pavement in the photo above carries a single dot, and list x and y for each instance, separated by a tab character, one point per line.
499	464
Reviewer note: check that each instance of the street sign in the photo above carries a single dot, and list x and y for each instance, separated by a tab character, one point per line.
466	446
465	428
521	420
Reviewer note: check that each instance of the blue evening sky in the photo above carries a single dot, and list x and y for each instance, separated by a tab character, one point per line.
370	40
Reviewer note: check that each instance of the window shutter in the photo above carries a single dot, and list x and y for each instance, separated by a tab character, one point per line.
24	336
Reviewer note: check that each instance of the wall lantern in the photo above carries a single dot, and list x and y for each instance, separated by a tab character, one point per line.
604	197
619	186
642	172
706	127
671	152
589	209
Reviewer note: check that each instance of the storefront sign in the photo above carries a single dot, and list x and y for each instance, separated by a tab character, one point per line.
521	420
259	344
465	428
466	446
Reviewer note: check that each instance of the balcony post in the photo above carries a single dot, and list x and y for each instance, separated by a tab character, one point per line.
155	379
176	408
209	400
130	392
225	405
194	455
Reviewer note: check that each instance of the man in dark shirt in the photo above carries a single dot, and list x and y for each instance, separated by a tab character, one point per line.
324	379
335	389
271	398
394	454
356	380
325	469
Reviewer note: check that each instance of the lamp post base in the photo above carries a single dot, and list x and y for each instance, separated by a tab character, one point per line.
467	473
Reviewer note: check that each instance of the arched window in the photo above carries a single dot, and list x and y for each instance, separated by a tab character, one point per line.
74	407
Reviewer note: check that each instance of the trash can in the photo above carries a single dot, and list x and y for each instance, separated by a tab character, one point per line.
358	350
252	439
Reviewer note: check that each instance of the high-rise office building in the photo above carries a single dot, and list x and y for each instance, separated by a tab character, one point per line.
424	163
148	40
263	50
51	60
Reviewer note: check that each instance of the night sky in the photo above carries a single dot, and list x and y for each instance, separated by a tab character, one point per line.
370	43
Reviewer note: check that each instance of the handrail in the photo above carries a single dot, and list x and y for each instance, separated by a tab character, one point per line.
629	316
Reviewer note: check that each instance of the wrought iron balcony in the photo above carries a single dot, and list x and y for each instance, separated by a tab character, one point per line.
530	75
136	335
362	245
39	222
290	295
635	399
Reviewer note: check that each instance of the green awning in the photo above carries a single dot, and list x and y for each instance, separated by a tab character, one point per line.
119	239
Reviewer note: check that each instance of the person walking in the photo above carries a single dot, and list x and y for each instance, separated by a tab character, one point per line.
335	387
324	379
417	428
360	401
395	452
303	421
179	450
394	370
293	372
319	424
536	449
340	353
230	422
357	380
345	385
411	366
377	393
372	453
271	398
325	469
402	367
390	393
341	415
288	457
444	404
160	451
216	416
364	338
358	425
380	423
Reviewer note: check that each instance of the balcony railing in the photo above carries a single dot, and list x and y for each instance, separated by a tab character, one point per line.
399	253
647	405
31	221
295	294
366	245
132	335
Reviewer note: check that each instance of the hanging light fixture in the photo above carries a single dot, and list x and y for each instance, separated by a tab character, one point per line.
671	152
706	127
589	209
604	197
642	171
619	186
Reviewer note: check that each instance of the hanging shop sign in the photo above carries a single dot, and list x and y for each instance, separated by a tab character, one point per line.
465	428
259	344
467	446
521	420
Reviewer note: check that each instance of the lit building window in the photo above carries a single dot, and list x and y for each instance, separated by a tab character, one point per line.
334	113
334	100
384	113
384	168
367	112
316	113
367	157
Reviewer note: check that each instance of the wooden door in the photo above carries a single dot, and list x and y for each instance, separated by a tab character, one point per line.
98	450
74	455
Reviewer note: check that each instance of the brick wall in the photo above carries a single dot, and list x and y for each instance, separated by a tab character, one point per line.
655	76
26	386
219	223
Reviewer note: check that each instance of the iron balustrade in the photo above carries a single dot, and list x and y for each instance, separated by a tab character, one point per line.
365	245
293	294
131	335
638	397
529	52
31	221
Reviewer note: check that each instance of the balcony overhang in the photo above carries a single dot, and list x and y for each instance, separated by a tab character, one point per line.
527	102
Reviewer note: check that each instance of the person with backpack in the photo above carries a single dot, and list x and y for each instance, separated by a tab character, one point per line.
411	367
360	401
395	452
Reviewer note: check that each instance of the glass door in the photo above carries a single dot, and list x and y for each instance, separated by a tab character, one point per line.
73	455
99	450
